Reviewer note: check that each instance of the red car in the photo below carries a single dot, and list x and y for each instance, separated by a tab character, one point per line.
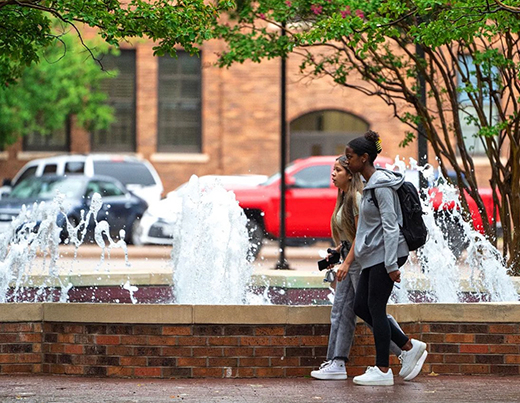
310	200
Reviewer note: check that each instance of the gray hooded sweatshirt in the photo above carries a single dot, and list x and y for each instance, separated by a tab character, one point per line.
378	237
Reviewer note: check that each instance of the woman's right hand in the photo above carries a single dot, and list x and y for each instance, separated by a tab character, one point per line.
395	276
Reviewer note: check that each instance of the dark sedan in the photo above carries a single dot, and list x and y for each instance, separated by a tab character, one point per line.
119	207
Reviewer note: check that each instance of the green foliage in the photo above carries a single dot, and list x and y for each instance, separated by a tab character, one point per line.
66	81
23	32
25	26
42	80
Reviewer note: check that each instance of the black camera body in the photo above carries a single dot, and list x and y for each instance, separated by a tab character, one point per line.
333	259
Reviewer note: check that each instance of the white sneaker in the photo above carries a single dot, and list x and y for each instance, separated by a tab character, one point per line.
375	377
331	370
412	360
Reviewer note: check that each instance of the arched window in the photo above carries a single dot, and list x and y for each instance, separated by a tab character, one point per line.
324	132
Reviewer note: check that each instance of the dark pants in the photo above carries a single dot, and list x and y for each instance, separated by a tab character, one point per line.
372	294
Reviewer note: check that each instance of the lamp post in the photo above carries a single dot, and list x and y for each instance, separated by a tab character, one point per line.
282	263
422	141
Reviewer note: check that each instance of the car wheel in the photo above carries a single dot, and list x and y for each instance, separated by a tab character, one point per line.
300	242
256	237
134	235
64	234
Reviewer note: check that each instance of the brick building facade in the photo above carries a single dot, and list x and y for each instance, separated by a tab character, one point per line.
239	128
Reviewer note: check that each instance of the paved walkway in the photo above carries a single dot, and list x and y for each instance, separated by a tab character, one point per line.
425	389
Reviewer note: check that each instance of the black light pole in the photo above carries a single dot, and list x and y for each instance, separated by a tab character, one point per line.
282	263
422	142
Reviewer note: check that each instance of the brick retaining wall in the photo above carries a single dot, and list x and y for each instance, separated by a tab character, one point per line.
21	347
153	341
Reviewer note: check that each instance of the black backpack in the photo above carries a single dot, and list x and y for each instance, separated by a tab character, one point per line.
414	228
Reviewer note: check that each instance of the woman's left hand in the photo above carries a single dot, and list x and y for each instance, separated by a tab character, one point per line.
342	271
395	276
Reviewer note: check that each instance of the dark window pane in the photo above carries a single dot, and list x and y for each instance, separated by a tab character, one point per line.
469	118
50	169
120	136
324	132
313	177
108	189
179	121
56	141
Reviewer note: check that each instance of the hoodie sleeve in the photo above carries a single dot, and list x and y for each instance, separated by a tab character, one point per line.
386	199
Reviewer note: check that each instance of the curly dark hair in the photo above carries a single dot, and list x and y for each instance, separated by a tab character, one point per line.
369	143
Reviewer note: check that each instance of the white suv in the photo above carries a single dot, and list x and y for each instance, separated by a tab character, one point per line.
138	175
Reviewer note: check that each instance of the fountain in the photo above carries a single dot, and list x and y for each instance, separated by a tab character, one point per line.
210	262
227	333
210	251
480	275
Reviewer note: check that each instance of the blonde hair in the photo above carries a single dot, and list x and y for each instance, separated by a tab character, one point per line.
346	201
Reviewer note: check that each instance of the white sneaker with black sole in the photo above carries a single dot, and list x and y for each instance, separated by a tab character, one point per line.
412	360
331	370
375	377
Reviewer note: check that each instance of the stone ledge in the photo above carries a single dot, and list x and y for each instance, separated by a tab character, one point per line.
482	312
23	312
486	312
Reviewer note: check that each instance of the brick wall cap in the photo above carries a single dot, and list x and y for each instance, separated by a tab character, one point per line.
26	312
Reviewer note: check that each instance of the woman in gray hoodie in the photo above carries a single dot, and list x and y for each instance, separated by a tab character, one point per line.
342	316
380	250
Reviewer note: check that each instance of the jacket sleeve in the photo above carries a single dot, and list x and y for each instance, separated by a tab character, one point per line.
387	198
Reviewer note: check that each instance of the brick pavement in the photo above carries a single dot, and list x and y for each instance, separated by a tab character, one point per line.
425	389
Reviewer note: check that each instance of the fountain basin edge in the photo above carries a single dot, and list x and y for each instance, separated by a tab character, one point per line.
184	341
285	288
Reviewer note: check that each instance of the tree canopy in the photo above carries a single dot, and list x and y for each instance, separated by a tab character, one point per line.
466	52
66	81
44	77
26	25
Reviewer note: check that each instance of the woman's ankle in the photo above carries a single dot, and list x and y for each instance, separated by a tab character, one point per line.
408	345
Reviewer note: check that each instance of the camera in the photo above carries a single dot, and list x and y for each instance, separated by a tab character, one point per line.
334	257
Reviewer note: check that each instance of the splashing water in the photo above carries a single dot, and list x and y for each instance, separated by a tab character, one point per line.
33	231
435	268
210	255
211	260
34	234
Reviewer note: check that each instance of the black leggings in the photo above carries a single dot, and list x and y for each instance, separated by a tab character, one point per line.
372	294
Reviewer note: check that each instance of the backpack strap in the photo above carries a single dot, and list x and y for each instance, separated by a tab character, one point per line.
374	199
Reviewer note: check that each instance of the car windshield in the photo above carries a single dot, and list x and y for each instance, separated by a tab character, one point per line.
47	188
275	177
134	173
